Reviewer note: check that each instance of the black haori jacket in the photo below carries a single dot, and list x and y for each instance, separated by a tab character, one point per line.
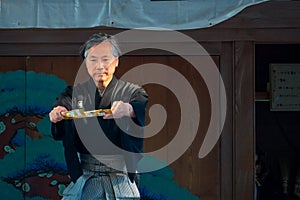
101	136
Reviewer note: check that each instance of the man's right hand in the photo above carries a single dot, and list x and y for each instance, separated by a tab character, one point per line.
55	114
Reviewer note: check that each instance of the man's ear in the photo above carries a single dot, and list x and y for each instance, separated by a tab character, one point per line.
117	62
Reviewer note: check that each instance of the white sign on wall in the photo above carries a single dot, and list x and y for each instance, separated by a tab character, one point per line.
285	86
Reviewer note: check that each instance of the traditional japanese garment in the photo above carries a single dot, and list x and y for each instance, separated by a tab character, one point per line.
101	182
104	137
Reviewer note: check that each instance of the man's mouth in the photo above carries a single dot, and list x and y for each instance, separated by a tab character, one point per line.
100	74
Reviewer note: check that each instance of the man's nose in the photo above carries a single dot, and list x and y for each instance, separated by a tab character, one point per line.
100	65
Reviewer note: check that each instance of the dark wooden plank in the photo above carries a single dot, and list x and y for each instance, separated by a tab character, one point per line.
38	35
244	120
12	63
269	35
271	14
72	49
51	45
39	49
65	67
226	157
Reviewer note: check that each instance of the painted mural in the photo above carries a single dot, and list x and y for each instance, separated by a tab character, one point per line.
32	165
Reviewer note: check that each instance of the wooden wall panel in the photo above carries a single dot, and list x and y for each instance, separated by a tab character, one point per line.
65	67
200	176
244	120
12	63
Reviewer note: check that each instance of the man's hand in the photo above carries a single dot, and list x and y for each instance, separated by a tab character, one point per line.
120	109
55	114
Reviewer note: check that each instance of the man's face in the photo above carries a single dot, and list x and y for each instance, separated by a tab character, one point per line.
101	63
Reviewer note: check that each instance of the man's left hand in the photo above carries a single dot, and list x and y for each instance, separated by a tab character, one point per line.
120	109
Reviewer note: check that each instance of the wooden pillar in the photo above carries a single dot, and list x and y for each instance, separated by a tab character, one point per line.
244	120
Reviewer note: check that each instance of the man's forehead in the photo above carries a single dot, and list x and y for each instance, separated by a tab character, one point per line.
102	49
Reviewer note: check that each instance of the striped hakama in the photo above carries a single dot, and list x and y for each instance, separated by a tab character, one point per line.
102	182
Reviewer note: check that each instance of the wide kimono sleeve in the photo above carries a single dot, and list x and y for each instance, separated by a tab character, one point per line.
138	102
65	131
133	142
65	100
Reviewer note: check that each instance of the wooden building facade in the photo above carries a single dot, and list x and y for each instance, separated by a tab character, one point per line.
228	171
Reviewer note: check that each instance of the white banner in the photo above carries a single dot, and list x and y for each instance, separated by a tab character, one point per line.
175	14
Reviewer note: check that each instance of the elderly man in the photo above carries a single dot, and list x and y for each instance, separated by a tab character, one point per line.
101	157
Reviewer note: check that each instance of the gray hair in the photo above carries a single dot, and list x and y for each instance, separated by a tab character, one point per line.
98	38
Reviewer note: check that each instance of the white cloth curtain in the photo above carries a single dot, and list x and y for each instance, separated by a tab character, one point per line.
168	14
